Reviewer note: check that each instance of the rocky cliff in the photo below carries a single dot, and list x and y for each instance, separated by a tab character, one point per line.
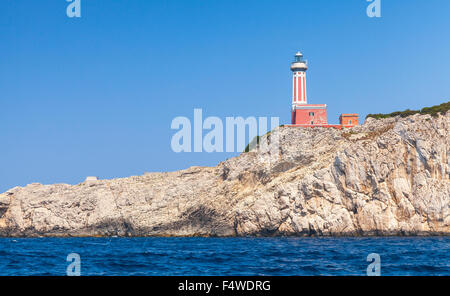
386	177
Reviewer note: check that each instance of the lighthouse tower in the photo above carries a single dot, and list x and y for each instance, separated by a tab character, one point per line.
299	67
304	114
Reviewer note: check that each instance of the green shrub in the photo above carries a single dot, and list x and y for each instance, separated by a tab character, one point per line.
255	142
433	111
252	144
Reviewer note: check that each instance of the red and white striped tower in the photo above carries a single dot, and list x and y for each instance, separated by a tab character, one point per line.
304	114
299	67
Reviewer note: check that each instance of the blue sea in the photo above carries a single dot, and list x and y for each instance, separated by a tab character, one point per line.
225	256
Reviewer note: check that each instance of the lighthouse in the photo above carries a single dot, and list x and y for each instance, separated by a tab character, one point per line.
299	67
304	114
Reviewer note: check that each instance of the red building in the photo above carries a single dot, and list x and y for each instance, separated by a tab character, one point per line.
348	119
311	115
308	114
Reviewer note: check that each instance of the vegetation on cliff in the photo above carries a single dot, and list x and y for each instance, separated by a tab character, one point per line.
433	111
255	142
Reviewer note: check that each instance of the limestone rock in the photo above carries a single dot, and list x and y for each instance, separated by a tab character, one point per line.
386	177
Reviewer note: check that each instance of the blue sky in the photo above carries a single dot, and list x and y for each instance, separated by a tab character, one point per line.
96	95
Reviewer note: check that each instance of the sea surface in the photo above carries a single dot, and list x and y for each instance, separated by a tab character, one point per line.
225	256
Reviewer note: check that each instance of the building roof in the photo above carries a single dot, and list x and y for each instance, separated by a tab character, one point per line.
310	106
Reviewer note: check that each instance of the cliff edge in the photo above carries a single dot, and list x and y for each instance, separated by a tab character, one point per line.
387	177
